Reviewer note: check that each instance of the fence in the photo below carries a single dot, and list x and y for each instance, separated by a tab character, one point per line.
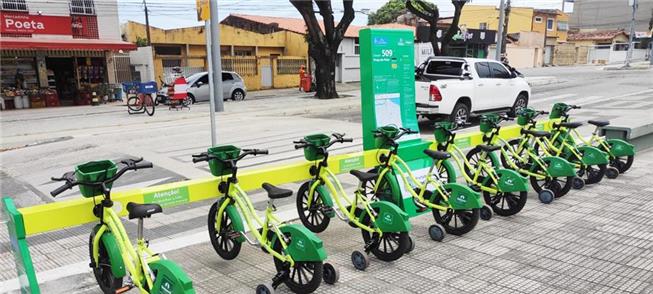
287	66
244	66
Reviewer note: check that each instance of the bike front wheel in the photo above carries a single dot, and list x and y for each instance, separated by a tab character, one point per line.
313	217
102	272
134	105
304	276
224	241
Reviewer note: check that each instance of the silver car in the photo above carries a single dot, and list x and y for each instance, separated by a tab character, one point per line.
232	85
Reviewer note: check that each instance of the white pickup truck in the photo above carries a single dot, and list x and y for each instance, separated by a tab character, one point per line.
455	88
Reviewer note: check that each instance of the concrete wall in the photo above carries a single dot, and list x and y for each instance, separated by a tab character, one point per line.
565	54
349	70
143	62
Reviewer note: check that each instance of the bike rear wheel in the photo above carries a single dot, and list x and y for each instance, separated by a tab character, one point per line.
622	163
103	274
560	186
148	105
390	246
304	277
455	222
504	203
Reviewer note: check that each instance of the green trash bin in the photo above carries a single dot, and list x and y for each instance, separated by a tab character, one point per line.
224	152
94	171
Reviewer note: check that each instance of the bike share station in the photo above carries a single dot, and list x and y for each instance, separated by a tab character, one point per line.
387	98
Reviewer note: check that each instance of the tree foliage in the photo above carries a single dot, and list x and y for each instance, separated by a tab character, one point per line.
430	13
388	13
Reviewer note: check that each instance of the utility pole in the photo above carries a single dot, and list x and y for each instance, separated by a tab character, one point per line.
147	24
505	28
216	59
634	4
207	34
563	5
502	11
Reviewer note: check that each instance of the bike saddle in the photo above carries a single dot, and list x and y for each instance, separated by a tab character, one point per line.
437	155
275	192
489	148
363	176
535	133
599	123
570	125
142	210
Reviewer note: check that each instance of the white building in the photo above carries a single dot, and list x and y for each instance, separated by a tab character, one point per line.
64	46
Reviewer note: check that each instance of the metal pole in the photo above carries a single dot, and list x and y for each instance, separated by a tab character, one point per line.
216	58
147	24
629	56
563	5
207	33
502	14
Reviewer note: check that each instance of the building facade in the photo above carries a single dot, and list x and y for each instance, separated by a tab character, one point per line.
58	52
610	15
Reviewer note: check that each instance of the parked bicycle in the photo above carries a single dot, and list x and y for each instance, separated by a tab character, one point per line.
505	190
384	226
298	253
550	176
139	97
621	153
112	255
455	208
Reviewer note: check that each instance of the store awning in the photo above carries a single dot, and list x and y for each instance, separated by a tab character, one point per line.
69	44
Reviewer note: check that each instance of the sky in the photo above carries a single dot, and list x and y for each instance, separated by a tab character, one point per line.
181	13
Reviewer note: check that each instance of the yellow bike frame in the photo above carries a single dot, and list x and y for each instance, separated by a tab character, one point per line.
136	259
246	209
546	144
522	159
401	167
457	154
329	178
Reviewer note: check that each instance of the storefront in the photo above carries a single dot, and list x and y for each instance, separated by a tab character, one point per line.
48	72
464	43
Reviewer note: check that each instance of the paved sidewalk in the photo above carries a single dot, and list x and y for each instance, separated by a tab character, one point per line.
597	240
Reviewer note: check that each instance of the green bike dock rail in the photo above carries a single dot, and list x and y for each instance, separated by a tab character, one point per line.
29	221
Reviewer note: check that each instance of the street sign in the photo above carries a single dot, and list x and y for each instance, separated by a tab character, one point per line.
203	10
387	81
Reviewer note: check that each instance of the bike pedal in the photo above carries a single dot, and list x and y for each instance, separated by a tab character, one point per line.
328	211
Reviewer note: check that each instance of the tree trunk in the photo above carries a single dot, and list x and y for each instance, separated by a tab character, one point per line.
325	70
433	30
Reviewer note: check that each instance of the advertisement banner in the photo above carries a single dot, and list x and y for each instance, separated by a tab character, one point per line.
20	23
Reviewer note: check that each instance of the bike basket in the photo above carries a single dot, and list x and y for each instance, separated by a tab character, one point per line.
313	152
488	122
225	152
94	171
147	88
126	86
525	116
441	131
382	142
558	110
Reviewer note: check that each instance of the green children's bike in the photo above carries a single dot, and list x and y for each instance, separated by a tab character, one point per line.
384	226
455	208
620	153
297	252
550	176
505	190
113	257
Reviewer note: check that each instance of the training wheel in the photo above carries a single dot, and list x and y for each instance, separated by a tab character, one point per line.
411	245
486	212
578	183
436	232
360	260
265	288
330	274
546	196
611	172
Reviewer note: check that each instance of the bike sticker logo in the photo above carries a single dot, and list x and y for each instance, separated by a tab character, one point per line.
461	198
166	286
166	198
509	182
388	218
301	245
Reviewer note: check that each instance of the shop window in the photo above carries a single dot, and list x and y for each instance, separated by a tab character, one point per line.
357	47
538	19
482	26
85	27
620	47
83	7
549	24
167	50
14	5
171	62
91	70
243	52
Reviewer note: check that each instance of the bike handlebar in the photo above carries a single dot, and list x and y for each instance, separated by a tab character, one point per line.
205	156
69	177
339	138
